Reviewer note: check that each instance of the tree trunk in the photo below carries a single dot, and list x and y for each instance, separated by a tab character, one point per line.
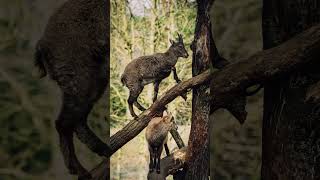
198	150
291	139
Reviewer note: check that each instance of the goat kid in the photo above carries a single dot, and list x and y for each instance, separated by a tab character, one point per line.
157	135
152	69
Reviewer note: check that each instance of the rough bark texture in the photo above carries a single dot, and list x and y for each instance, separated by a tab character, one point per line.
291	139
198	146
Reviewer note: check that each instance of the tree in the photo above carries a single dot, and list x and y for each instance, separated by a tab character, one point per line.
227	84
291	120
198	150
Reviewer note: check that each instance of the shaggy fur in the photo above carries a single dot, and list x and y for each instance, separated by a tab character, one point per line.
73	51
151	69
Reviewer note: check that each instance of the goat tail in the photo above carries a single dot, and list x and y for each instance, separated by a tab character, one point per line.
123	79
39	57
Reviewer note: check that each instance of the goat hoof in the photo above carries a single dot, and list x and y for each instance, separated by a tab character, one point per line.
158	171
184	96
150	170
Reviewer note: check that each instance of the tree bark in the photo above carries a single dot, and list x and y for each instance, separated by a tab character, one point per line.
198	146
290	137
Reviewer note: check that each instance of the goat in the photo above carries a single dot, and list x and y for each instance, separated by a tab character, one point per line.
157	135
74	52
152	69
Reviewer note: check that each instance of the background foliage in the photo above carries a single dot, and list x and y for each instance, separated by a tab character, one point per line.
28	106
144	28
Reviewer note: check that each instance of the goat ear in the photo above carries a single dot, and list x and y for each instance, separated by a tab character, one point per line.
171	41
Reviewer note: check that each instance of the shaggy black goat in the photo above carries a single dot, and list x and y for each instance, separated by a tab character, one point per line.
74	52
152	69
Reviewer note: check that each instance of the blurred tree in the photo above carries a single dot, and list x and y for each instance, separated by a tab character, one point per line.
291	138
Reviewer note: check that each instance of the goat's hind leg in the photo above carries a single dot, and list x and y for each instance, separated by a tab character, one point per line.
132	100
152	162
86	136
139	106
65	125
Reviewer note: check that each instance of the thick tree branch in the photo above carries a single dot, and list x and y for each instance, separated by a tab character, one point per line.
232	81
177	138
134	127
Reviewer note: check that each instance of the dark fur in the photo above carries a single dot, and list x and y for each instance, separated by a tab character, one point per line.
73	51
151	69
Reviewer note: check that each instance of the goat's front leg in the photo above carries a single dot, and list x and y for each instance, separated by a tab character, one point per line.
175	76
156	90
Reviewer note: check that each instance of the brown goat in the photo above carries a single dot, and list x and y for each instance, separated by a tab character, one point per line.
74	52
152	69
157	135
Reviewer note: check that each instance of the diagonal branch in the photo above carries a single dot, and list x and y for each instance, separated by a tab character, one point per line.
234	79
134	127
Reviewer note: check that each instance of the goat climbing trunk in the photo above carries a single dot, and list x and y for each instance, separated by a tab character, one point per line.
198	148
291	138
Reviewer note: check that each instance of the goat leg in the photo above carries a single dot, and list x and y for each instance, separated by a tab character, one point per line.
152	160
156	90
166	148
158	163
139	106
175	76
65	125
131	100
71	161
86	136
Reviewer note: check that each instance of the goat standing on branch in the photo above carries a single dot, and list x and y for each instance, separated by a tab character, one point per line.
157	135
152	69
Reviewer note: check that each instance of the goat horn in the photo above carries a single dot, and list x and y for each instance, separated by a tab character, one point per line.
180	37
